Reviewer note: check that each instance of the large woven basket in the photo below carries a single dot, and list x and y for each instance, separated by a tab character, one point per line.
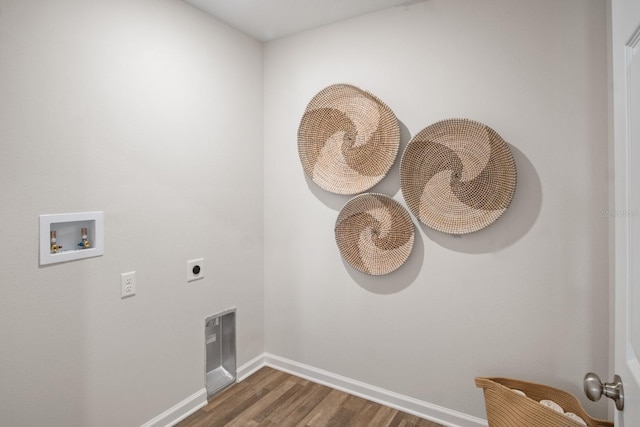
506	408
457	176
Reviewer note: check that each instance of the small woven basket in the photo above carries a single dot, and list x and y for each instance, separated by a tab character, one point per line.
506	408
374	233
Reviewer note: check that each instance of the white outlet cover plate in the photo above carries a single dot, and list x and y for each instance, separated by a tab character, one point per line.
191	276
128	284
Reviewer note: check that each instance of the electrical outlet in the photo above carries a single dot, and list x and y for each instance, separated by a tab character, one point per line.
128	283
195	269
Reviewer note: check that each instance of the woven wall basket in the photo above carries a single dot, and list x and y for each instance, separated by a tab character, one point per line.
457	176
374	233
347	140
506	408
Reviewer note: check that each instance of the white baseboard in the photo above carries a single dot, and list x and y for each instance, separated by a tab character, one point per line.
179	411
250	367
397	401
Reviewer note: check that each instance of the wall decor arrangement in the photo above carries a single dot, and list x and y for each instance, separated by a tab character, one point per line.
457	176
348	139
374	233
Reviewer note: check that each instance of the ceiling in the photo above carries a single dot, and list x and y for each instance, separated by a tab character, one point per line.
271	19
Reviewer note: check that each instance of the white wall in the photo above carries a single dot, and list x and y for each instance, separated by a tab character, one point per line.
150	111
525	297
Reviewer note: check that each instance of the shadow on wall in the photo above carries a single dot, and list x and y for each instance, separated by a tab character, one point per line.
516	221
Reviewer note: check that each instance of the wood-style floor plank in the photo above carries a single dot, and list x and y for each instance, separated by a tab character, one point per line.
272	398
324	411
302	408
364	416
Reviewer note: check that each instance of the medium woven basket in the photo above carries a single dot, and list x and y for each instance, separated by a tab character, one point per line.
348	139
506	408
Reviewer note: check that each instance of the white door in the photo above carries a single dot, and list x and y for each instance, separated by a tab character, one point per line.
625	18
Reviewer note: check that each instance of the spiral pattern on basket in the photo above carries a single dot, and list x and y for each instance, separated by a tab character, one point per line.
374	233
347	139
457	176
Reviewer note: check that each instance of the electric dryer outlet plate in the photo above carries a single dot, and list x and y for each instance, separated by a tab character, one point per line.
195	269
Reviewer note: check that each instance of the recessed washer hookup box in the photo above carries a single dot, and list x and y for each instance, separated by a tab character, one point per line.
220	351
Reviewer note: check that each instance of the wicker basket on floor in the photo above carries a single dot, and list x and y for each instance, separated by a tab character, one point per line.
506	408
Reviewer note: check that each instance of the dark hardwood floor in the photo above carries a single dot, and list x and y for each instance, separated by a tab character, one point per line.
271	398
